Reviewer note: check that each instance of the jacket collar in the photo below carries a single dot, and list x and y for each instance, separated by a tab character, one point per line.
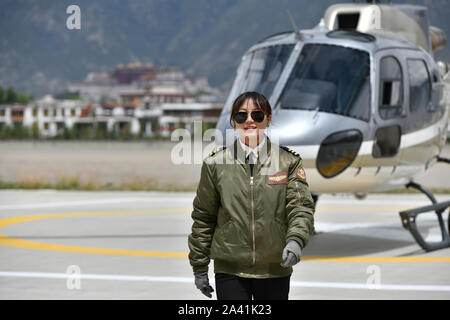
256	151
264	152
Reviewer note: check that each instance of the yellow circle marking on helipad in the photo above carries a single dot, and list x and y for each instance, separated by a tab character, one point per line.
21	243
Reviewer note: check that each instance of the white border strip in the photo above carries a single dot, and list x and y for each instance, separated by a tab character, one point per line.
302	284
420	136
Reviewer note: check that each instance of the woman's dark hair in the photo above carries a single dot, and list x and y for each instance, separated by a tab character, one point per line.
257	98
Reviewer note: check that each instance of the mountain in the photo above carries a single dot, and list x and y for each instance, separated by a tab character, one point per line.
39	54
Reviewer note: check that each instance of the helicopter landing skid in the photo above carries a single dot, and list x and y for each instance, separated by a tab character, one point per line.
409	217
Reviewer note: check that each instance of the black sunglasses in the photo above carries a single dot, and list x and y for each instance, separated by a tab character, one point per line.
241	116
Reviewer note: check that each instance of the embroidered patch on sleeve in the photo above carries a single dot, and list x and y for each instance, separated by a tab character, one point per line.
278	178
301	174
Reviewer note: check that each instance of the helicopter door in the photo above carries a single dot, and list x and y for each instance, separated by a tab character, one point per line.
390	108
421	141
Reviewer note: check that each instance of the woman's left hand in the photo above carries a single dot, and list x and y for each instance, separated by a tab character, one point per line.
291	254
202	283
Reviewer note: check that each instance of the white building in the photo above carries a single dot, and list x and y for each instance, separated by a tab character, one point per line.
54	117
183	115
47	115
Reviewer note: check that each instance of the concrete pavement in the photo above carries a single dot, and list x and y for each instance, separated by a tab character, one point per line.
133	245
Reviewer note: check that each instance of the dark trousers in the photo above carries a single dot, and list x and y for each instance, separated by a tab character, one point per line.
231	287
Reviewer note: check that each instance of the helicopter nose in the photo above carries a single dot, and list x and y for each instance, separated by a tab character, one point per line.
292	128
331	142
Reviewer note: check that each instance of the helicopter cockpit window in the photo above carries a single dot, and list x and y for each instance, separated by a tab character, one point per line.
419	85
265	68
391	90
331	79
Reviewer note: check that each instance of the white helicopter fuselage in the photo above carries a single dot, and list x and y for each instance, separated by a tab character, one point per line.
365	112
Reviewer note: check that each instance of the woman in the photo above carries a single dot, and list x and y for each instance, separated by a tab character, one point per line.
253	225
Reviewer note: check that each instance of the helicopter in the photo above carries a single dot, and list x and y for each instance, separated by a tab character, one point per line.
360	97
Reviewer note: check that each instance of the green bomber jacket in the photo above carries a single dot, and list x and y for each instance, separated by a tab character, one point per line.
244	222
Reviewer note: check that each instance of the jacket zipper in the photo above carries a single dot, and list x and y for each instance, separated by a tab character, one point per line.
253	214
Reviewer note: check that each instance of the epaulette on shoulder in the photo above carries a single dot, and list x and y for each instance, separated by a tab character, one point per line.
218	149
290	151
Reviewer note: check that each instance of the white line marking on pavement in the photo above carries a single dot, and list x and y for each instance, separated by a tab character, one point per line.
89	202
66	203
93	277
333	285
347	285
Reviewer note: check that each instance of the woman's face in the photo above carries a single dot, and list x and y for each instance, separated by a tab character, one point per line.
251	132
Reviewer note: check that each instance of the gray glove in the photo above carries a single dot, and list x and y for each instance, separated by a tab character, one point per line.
291	254
202	283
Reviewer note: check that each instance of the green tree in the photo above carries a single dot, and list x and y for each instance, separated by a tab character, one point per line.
6	132
1	95
35	131
11	95
20	131
23	98
68	134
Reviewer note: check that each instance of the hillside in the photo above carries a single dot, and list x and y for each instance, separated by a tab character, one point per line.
38	54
